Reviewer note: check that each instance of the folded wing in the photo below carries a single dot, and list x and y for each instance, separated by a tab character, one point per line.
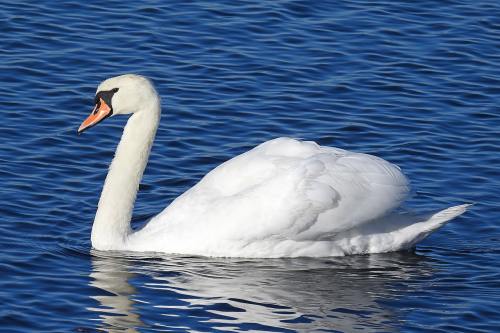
286	189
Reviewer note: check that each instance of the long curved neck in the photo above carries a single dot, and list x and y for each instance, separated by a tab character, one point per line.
112	220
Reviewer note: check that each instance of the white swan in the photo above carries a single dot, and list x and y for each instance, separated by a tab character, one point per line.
284	198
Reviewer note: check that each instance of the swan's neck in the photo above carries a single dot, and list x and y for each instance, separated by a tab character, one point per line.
112	221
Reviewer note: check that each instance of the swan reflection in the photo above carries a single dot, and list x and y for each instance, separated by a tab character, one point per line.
185	293
117	312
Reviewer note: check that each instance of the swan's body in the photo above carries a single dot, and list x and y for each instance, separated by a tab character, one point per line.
283	198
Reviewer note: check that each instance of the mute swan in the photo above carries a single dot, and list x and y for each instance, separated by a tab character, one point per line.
283	198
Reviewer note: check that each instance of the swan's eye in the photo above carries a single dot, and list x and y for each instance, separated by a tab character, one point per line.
105	95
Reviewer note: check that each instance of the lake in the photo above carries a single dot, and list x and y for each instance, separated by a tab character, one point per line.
416	83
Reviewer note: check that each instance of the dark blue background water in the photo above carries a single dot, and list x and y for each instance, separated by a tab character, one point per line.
415	83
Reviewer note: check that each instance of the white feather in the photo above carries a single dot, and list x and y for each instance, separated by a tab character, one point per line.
283	198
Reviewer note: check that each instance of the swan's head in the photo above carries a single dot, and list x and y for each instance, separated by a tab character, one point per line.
122	94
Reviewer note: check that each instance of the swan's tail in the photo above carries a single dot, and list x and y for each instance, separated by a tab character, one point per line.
395	232
416	232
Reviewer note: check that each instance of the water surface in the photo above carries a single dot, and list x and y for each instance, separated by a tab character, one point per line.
414	83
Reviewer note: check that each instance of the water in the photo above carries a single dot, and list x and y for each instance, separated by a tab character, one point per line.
415	83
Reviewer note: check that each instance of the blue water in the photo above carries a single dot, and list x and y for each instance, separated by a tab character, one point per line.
416	83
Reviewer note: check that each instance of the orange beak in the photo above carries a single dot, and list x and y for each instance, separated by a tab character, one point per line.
101	111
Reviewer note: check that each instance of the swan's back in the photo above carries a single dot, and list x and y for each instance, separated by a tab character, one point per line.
281	190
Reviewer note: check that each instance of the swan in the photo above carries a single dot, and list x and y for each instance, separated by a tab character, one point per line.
283	198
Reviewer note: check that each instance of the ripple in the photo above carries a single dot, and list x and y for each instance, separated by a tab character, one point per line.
415	83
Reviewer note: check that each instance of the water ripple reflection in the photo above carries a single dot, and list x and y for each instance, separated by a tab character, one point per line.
234	294
416	83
